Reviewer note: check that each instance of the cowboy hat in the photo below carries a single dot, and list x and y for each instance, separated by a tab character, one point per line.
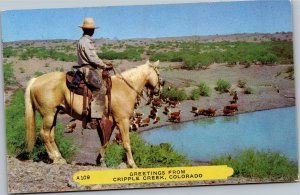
88	23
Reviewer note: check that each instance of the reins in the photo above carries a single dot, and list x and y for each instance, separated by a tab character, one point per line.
115	71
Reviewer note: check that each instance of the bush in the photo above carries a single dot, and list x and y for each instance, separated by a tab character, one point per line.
249	90
22	70
146	155
204	89
16	133
195	94
259	164
43	53
174	94
223	86
38	73
9	52
290	72
8	71
195	55
130	53
242	83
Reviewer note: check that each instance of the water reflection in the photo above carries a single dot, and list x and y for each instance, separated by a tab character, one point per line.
230	119
204	122
176	127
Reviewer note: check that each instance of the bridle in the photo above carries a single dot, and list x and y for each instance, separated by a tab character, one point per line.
138	93
158	77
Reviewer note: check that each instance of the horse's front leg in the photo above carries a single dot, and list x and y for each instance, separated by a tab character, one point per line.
100	158
124	130
47	134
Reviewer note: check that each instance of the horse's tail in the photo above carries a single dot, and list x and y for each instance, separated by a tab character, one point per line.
29	117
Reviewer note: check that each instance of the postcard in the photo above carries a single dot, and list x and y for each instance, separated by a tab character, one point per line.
148	96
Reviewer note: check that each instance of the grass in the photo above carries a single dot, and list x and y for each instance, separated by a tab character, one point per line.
38	73
145	154
290	71
44	53
174	94
9	52
242	83
9	77
260	164
22	70
223	86
130	53
204	89
192	54
195	94
195	55
249	90
15	133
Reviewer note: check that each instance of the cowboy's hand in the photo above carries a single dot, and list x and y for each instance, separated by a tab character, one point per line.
109	66
108	62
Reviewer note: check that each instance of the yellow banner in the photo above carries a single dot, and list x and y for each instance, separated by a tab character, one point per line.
146	175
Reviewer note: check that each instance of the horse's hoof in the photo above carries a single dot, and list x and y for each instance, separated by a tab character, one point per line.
60	161
133	166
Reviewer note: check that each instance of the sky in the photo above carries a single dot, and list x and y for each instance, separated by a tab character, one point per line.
150	21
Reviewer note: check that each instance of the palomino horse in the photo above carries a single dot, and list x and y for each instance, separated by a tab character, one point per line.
48	94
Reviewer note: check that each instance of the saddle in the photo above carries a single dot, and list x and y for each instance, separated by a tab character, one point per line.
75	81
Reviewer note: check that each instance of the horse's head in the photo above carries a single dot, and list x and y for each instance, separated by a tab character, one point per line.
154	83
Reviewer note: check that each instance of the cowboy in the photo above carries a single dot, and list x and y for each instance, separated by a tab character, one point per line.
91	65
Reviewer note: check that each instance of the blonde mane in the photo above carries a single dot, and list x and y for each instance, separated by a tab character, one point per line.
133	74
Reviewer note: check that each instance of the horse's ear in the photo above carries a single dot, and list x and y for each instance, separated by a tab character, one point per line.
155	64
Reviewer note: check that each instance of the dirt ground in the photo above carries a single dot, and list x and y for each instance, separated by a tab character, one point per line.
31	177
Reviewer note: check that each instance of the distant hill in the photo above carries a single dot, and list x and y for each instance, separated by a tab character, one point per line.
252	37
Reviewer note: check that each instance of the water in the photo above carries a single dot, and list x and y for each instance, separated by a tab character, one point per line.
270	130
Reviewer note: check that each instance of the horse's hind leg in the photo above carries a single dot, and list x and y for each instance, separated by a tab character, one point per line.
47	134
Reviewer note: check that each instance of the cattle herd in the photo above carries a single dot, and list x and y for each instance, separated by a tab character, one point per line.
168	104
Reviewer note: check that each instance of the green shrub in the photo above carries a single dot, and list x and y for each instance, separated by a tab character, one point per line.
223	86
60	69
130	53
38	73
22	70
174	94
43	53
114	155
242	83
8	72
249	90
195	55
290	71
204	89
259	164
16	133
9	52
146	155
195	94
